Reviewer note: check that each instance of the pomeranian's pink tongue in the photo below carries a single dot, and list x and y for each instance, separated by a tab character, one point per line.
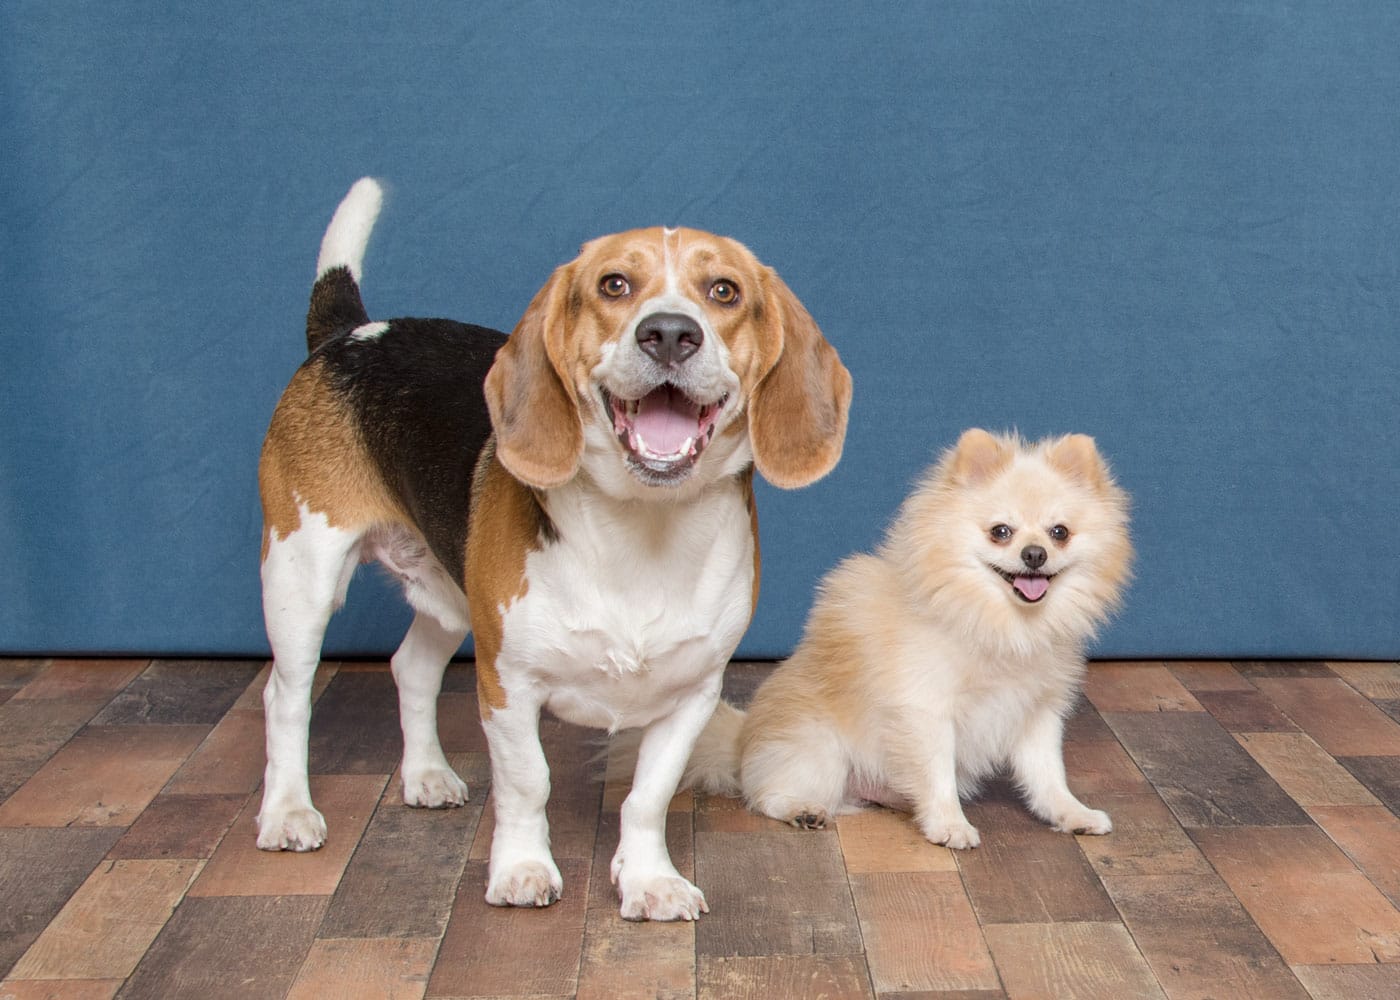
665	420
1032	588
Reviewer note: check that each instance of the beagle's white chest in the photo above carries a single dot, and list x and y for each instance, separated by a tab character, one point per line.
632	609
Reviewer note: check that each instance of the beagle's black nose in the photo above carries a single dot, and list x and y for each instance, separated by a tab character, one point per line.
1033	556
669	338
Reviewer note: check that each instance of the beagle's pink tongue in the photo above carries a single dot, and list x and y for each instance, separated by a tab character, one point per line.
1032	588
666	419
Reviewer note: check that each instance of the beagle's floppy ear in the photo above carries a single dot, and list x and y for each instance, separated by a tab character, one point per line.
797	416
533	403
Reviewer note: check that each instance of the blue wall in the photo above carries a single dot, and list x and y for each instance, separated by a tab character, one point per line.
1175	226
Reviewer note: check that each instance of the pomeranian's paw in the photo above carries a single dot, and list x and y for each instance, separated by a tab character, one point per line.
957	834
809	819
1086	820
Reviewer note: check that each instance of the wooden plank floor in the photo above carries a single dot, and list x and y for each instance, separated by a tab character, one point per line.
1257	854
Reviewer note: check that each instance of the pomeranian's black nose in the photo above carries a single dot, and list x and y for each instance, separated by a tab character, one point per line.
1033	556
669	338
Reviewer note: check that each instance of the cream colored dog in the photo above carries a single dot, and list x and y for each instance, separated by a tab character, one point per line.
952	652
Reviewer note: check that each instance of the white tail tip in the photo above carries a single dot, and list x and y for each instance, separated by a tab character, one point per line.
348	234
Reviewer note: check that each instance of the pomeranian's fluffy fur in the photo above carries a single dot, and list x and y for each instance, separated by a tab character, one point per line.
952	653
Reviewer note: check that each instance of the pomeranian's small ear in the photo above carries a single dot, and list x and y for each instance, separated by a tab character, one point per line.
1076	455
979	455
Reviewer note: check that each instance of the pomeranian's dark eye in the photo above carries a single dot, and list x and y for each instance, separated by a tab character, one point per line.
614	286
1059	533
1001	533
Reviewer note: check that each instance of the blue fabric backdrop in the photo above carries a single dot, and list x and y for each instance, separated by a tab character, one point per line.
1175	226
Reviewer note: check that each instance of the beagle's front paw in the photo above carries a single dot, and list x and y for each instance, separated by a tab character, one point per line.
664	897
434	788
291	829
525	883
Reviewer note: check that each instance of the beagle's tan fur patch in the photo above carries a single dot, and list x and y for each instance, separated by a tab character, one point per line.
313	455
507	524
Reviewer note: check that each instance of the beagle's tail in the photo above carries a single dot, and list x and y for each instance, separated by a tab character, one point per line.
335	298
714	760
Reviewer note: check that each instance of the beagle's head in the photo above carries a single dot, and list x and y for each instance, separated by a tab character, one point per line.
666	357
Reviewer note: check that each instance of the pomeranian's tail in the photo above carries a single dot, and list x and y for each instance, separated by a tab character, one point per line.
714	760
335	298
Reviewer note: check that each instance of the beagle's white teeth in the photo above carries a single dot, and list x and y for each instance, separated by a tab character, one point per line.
665	430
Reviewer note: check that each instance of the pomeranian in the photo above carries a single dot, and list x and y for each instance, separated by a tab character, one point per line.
952	653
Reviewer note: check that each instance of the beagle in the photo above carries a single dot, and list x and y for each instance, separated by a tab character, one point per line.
579	496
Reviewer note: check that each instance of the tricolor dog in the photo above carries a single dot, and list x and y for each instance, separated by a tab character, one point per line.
579	496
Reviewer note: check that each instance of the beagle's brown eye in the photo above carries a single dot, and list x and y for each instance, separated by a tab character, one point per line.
614	286
725	292
1001	533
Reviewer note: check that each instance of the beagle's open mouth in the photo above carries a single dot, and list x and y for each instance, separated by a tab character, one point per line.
1029	587
665	431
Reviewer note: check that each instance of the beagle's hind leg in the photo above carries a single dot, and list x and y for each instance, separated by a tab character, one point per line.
428	779
305	574
439	625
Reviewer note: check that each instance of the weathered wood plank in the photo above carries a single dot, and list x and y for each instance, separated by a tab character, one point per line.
32	731
920	933
39	870
821	977
1350	982
1199	940
228	947
779	891
79	680
60	989
1208	675
1245	712
1025	872
402	879
180	693
1370	836
1137	687
1377	681
1380	775
1146	840
109	922
355	725
1305	895
231	758
1201	772
1343	721
383	968
104	776
238	868
1087	961
508	951
179	826
882	840
1305	771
